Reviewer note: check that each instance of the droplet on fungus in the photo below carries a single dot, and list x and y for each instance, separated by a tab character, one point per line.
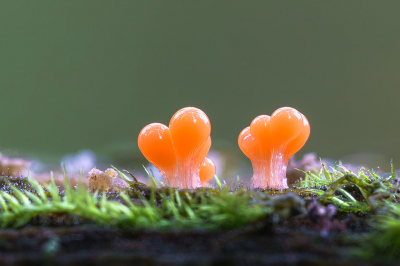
207	171
178	151
270	142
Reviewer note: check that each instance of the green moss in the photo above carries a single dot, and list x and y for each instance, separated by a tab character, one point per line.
23	200
141	206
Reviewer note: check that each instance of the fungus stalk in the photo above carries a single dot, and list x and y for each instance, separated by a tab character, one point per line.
277	171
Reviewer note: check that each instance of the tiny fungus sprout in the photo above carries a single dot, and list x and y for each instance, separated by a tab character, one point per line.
207	171
179	152
270	141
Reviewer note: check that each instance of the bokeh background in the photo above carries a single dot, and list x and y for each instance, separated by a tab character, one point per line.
90	74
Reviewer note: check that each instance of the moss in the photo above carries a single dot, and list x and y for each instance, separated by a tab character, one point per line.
359	201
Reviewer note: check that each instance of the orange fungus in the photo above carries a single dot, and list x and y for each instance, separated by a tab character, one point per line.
270	141
207	171
179	152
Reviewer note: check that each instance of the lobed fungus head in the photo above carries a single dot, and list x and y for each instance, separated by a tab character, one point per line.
270	141
178	151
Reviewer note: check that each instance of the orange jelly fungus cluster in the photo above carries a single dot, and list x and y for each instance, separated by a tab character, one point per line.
270	141
179	151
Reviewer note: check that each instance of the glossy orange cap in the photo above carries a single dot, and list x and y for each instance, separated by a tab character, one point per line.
207	171
189	129
180	150
270	141
156	145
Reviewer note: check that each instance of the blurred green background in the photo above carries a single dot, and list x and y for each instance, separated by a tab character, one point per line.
90	74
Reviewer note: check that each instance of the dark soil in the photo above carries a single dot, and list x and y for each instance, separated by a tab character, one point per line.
299	241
